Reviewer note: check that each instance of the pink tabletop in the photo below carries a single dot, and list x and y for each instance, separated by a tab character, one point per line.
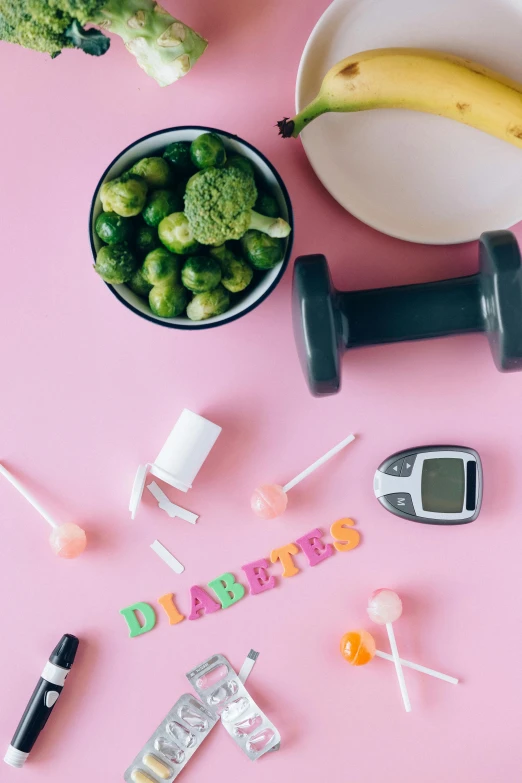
90	390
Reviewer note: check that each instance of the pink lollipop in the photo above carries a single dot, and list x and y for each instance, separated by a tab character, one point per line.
384	607
270	500
67	540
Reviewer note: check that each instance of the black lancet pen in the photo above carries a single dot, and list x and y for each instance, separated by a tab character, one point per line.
42	701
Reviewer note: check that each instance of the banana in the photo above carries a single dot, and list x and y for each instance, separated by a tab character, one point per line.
419	80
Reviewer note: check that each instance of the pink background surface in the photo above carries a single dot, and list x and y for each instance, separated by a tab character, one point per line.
89	391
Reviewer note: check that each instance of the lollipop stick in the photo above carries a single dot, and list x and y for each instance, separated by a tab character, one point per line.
22	490
398	667
418	668
319	462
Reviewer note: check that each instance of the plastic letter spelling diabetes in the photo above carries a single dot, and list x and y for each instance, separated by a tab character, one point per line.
228	590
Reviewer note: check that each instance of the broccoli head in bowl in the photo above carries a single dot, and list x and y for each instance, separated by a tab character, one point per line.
218	206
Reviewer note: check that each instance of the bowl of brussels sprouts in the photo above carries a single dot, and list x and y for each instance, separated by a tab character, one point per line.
191	227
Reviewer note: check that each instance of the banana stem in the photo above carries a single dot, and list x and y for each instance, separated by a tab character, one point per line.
293	127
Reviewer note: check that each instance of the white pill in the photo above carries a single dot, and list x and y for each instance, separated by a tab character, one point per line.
139	776
158	767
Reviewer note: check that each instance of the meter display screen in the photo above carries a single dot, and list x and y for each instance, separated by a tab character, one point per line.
443	485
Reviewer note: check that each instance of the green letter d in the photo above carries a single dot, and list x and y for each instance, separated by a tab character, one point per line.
131	618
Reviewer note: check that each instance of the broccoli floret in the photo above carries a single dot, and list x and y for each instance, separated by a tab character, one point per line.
50	26
218	206
164	47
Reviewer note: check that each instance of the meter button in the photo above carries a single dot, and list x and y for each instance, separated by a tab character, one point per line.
395	468
402	502
407	467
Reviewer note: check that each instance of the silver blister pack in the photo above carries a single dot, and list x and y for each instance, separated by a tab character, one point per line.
173	743
222	691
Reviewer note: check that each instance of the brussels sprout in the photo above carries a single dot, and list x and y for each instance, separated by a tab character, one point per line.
161	203
161	267
125	195
262	251
200	274
113	228
178	155
146	239
236	275
267	205
115	263
155	171
169	300
210	303
208	150
242	163
139	285
174	232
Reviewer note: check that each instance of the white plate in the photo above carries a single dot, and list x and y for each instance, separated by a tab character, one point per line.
415	176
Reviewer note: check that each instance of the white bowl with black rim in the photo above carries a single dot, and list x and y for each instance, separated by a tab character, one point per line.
154	144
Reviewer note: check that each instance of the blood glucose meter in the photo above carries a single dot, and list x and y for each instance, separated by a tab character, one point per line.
438	485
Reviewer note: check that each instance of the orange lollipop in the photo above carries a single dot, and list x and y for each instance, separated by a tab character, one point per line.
358	647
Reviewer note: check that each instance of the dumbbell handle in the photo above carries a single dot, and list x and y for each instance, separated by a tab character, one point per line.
411	312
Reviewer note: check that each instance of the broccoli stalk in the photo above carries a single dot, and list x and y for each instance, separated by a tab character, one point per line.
274	227
164	47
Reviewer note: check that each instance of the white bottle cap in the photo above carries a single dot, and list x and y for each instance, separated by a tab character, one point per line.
137	489
185	450
15	758
181	458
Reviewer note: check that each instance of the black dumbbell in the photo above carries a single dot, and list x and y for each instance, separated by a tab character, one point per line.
328	322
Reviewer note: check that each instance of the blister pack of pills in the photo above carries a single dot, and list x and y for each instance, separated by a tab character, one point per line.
222	691
173	743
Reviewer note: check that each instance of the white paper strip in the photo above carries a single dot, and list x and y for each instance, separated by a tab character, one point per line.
248	665
167	557
171	508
